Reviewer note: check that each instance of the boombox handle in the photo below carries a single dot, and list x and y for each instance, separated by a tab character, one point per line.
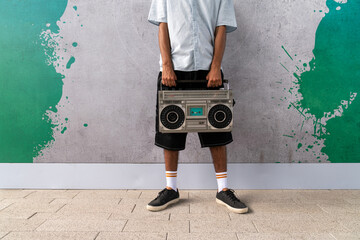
225	81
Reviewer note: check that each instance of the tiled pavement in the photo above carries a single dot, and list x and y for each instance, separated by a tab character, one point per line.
121	214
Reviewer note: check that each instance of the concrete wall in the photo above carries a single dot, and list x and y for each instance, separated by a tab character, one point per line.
98	65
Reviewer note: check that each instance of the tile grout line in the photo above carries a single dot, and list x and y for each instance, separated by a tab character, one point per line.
28	194
75	195
133	208
341	224
31	216
237	237
97	235
252	221
122	230
5	235
332	236
39	225
188	194
60	208
7	206
311	216
317	204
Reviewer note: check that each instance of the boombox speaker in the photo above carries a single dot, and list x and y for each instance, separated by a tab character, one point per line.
195	110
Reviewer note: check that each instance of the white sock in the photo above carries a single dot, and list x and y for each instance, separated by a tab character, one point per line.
221	178
171	177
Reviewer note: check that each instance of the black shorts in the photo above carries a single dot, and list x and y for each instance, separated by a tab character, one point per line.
176	141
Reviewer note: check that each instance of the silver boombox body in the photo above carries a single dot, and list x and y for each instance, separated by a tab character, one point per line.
195	110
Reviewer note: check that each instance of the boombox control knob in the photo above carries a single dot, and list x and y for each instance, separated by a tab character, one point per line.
220	116
172	117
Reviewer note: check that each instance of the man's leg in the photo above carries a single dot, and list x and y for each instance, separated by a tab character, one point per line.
171	161
218	154
168	195
225	196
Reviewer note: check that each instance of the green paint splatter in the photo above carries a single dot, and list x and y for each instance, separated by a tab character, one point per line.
29	84
299	145
75	7
85	125
74	44
288	136
284	67
334	76
70	62
287	52
64	129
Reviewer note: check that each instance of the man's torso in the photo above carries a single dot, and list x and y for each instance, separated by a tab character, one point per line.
191	25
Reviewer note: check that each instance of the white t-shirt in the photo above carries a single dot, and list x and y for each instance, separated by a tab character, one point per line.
191	25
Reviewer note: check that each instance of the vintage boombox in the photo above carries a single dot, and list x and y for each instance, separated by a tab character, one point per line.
195	110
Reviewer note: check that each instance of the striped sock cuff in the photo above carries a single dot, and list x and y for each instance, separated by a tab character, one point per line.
171	173
221	175
171	179
221	178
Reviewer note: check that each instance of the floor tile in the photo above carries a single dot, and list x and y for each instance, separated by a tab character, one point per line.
221	226
346	236
11	224
130	236
122	214
51	235
82	225
157	226
224	216
14	193
263	236
299	226
201	236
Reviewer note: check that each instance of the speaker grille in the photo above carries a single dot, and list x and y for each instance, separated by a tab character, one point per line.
172	117
220	116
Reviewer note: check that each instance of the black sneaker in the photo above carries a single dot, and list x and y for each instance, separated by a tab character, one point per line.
228	199
164	198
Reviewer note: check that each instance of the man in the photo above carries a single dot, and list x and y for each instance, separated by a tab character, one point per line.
192	36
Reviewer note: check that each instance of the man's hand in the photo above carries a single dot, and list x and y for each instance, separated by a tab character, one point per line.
168	76
214	78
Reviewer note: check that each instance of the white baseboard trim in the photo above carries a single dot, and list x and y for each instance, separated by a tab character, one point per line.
190	176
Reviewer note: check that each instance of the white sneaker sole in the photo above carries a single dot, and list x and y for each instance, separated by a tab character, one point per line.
159	208
235	210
